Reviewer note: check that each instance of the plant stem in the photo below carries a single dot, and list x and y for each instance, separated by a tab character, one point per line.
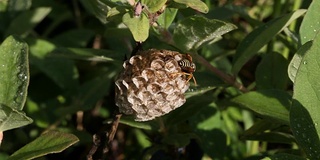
167	37
225	77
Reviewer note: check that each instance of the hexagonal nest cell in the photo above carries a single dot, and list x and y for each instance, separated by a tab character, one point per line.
151	84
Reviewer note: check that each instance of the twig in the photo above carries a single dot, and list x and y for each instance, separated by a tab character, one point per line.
114	127
109	135
96	143
225	77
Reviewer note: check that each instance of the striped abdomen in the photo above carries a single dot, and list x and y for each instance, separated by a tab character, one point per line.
187	66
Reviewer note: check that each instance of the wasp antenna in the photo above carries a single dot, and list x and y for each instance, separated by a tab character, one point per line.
194	81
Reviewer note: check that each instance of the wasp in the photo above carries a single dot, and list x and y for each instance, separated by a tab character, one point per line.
188	67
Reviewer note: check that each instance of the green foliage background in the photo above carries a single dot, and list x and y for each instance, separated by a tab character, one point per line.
257	73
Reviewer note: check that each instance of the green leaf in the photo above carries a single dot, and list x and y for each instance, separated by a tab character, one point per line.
260	37
138	26
271	73
114	12
304	113
89	93
296	60
14	81
207	119
49	142
274	137
148	125
98	8
25	22
74	38
310	25
266	130
259	127
14	72
189	109
196	31
272	104
62	71
142	138
11	118
199	90
178	140
216	139
40	48
19	5
208	124
285	156
154	6
167	17
96	55
195	4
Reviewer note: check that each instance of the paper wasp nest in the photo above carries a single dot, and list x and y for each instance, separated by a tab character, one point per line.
151	84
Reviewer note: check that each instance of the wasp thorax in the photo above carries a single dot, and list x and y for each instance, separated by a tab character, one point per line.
151	84
187	65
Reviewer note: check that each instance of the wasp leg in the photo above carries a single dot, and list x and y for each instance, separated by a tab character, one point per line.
191	76
194	81
187	78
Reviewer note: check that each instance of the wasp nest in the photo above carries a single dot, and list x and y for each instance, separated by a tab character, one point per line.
151	84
